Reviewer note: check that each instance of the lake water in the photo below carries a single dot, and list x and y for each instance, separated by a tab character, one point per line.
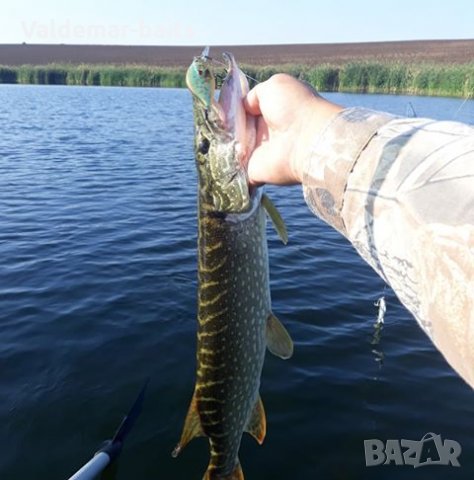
98	292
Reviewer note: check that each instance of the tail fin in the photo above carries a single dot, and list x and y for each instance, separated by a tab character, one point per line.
237	474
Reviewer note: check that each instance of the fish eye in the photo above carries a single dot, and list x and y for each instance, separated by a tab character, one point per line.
204	146
200	72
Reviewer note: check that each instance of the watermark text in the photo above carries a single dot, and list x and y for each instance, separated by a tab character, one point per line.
430	450
68	30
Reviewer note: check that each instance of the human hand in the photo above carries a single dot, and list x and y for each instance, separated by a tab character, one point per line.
289	116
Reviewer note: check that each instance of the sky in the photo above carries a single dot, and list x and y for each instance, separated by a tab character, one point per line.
224	22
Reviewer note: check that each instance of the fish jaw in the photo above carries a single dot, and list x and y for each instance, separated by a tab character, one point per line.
231	97
236	121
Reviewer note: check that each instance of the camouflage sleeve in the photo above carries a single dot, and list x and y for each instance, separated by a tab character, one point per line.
402	191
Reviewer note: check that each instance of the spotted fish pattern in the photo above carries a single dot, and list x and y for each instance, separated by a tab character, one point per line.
235	321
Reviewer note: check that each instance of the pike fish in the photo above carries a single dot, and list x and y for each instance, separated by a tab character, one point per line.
235	321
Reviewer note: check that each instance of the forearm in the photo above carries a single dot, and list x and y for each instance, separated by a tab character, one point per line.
401	190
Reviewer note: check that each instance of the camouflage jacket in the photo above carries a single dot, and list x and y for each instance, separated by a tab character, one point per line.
402	191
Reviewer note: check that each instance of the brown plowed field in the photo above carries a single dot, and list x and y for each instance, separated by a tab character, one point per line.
437	51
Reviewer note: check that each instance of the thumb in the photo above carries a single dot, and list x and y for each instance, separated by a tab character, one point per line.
252	102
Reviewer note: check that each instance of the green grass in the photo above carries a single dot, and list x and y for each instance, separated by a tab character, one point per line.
381	77
104	75
372	77
416	79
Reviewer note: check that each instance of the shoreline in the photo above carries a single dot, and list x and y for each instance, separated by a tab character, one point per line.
418	67
428	79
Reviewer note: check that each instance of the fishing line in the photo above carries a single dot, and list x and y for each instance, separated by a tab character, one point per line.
458	111
223	64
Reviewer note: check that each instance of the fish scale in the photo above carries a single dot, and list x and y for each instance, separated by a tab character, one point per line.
235	322
227	326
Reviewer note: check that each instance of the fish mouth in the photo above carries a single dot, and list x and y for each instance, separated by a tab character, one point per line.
223	122
255	200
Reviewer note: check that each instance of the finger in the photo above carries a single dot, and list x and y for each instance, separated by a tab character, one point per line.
257	168
252	101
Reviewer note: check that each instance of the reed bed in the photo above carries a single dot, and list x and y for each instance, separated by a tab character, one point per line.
456	80
103	75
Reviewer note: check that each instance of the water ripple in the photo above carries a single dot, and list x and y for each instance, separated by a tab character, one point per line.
98	291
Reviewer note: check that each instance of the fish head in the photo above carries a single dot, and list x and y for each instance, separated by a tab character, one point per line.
222	148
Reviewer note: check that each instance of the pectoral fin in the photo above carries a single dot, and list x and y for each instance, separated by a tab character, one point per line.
278	339
276	219
192	427
257	424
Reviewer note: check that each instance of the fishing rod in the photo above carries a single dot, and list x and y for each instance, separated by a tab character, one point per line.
111	449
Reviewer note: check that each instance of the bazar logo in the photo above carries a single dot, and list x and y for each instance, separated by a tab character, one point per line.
430	450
